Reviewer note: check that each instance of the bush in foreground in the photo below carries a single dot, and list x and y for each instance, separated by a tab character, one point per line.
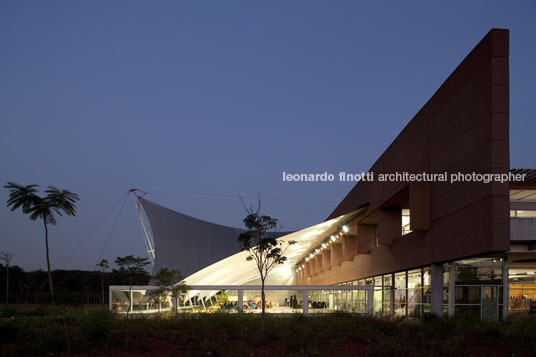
76	331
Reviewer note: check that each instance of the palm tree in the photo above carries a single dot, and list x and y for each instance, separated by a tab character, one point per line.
45	208
103	265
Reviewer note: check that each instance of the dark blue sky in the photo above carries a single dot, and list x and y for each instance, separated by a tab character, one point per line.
222	97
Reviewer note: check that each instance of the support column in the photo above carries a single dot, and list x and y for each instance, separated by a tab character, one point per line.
110	298
240	302
305	301
452	288
131	302
370	300
436	271
505	287
392	295
174	305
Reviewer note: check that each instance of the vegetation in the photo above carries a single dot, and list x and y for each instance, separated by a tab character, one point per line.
6	258
71	286
169	283
264	249
42	331
129	266
222	298
44	208
103	265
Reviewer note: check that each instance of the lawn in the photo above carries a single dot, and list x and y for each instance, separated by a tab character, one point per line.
82	331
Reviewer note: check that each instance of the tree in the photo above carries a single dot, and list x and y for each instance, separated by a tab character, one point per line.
169	282
6	257
131	265
45	208
264	249
103	265
222	299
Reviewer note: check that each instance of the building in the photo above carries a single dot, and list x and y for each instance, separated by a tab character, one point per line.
412	245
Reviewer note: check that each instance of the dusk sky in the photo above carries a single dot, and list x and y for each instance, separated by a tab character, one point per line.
221	97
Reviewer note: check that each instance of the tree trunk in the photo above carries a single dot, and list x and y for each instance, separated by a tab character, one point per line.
102	285
48	261
7	283
263	305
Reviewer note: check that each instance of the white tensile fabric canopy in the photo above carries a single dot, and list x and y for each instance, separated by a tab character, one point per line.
209	254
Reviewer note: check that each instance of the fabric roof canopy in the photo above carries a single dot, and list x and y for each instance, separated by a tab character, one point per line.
186	243
209	254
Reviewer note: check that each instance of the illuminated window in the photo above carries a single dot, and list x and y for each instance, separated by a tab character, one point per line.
522	214
405	221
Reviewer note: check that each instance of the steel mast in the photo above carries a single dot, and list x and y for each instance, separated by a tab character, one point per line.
148	239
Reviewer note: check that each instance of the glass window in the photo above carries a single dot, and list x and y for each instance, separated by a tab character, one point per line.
378	281
426	281
480	271
526	214
405	221
470	311
387	280
467	295
400	294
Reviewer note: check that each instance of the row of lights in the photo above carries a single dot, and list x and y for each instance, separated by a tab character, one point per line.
332	239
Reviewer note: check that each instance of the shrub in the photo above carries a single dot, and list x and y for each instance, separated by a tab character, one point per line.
8	312
8	333
96	325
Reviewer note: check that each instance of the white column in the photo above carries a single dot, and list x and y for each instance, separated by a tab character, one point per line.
505	287
174	304
370	300
131	302
305	299
452	288
240	302
109	297
436	274
392	296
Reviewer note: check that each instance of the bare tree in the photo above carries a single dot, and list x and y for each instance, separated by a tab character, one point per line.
6	257
264	249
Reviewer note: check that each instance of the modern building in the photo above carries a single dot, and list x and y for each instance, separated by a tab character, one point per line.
455	237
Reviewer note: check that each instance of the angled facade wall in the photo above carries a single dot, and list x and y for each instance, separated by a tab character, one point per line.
462	128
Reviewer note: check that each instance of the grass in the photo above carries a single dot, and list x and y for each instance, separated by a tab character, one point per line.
78	331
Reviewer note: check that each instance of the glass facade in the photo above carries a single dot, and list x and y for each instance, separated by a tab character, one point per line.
522	293
401	294
472	287
478	288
